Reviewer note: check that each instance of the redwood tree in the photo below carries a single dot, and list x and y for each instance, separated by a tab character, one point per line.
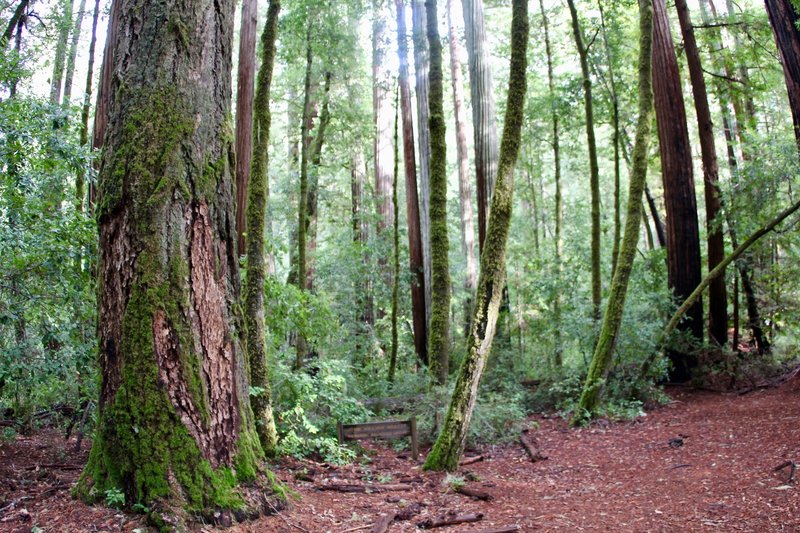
174	425
683	240
784	19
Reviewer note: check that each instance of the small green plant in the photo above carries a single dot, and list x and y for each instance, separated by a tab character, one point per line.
139	508
454	482
385	478
8	435
115	498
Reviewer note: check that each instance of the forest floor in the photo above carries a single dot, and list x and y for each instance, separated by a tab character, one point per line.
704	462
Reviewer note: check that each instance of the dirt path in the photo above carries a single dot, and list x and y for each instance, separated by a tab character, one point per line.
718	475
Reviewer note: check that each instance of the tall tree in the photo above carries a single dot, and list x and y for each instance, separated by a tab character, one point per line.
449	446
592	389
258	192
395	251
784	19
246	71
63	25
175	429
382	115
412	200
73	53
683	240
594	169
484	122
559	210
421	69
464	188
717	295
439	338
80	175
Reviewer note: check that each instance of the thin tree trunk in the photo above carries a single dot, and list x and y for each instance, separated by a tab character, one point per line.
20	12
246	72
601	361
174	421
558	351
683	241
382	119
358	179
439	338
449	447
594	170
484	122
464	188
648	231
395	249
421	70
64	25
736	311
80	175
412	201
258	192
784	19
717	295
73	54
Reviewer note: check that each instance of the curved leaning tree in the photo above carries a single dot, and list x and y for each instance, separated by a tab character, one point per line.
449	446
175	425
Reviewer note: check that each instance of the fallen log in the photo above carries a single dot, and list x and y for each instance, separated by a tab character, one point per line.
473	493
450	520
345	487
471	460
382	525
532	447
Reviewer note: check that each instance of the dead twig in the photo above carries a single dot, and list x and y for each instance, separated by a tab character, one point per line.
792	470
504	529
471	460
345	487
450	519
473	493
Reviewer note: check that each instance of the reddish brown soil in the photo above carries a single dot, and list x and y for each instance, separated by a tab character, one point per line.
608	477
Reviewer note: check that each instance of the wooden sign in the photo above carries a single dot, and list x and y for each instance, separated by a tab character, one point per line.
389	429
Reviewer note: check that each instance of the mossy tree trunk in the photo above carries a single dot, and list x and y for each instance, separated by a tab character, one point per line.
558	351
258	192
484	120
421	70
175	425
683	236
464	188
601	360
784	19
594	169
439	339
412	199
245	79
449	446
717	294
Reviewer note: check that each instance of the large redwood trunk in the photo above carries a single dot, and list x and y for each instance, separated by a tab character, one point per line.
174	413
683	240
717	295
783	18
383	117
412	200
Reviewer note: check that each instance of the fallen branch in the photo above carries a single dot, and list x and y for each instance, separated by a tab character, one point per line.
471	460
450	520
56	488
473	493
344	487
382	525
504	529
792	470
532	447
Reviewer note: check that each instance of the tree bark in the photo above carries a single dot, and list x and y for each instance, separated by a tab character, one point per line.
449	447
258	192
246	71
593	386
421	70
558	351
464	188
412	201
717	294
395	250
439	337
484	122
175	426
18	16
784	19
73	54
683	241
594	169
